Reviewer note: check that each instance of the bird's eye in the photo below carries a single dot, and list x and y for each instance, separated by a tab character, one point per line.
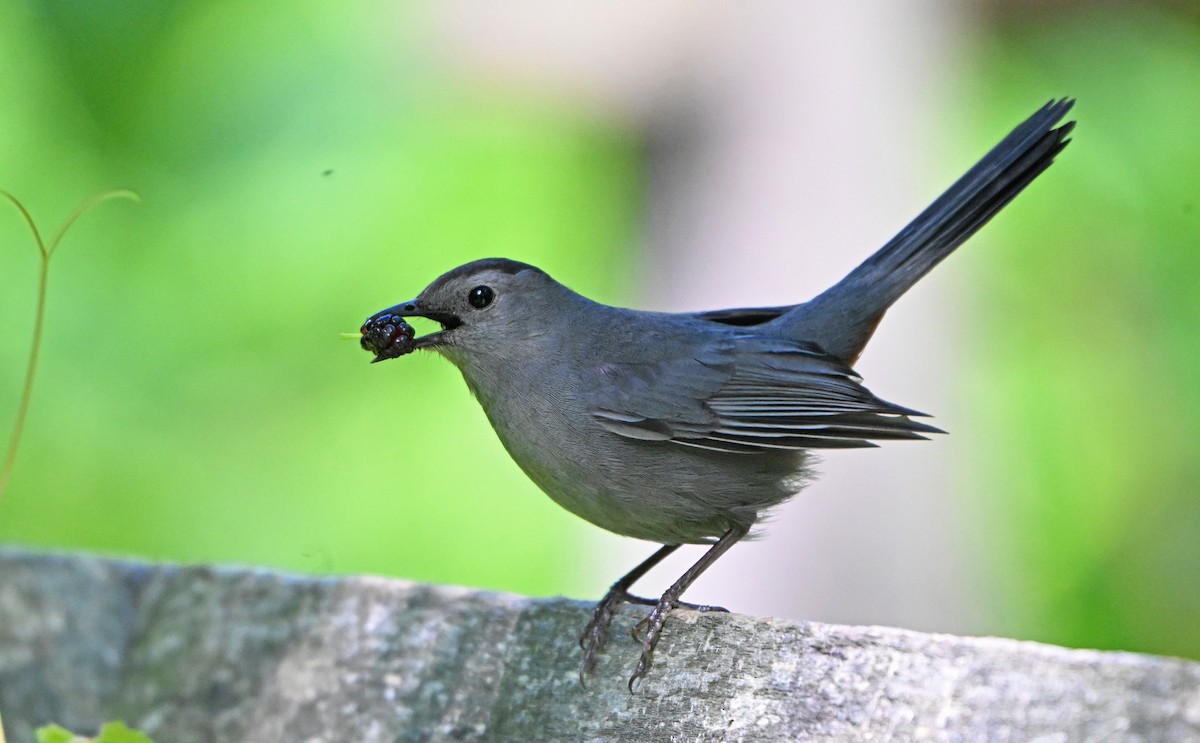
481	296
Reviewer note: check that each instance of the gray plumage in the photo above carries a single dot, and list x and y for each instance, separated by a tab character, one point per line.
686	428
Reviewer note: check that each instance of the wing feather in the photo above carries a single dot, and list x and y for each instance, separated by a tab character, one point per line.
748	394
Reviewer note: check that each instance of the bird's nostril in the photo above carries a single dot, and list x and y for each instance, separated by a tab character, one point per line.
410	308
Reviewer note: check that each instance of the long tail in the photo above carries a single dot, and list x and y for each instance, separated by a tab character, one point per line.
843	318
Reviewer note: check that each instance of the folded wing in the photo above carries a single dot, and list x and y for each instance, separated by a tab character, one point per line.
748	395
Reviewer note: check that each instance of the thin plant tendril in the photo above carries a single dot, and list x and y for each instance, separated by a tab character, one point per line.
45	251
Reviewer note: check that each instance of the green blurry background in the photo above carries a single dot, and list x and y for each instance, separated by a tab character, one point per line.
302	167
195	401
1094	468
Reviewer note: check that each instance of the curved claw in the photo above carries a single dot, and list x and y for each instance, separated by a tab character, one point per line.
643	664
636	630
638	673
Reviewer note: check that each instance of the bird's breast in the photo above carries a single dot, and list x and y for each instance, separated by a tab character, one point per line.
654	490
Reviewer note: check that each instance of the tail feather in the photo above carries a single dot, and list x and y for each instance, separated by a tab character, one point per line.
842	319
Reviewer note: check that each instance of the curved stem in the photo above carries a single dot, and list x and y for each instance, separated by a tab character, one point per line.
35	346
45	250
116	193
37	236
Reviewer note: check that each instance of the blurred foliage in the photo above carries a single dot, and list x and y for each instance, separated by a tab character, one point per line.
301	167
1090	363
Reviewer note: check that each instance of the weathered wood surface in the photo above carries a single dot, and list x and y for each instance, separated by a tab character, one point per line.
203	654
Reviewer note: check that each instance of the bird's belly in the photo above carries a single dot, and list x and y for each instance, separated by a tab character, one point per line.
654	490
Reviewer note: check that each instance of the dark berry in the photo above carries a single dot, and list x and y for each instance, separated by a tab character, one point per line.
387	336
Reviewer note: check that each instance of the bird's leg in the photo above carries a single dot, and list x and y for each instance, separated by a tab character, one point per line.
594	635
653	623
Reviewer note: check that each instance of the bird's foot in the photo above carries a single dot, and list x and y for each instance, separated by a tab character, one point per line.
596	633
647	631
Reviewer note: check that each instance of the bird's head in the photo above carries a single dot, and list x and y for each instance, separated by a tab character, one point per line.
485	307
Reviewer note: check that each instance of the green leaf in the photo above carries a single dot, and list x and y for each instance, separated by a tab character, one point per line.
112	732
55	734
116	732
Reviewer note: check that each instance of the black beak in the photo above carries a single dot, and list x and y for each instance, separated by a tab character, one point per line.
414	309
388	336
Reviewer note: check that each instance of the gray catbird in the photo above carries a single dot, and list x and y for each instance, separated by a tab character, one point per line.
686	428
